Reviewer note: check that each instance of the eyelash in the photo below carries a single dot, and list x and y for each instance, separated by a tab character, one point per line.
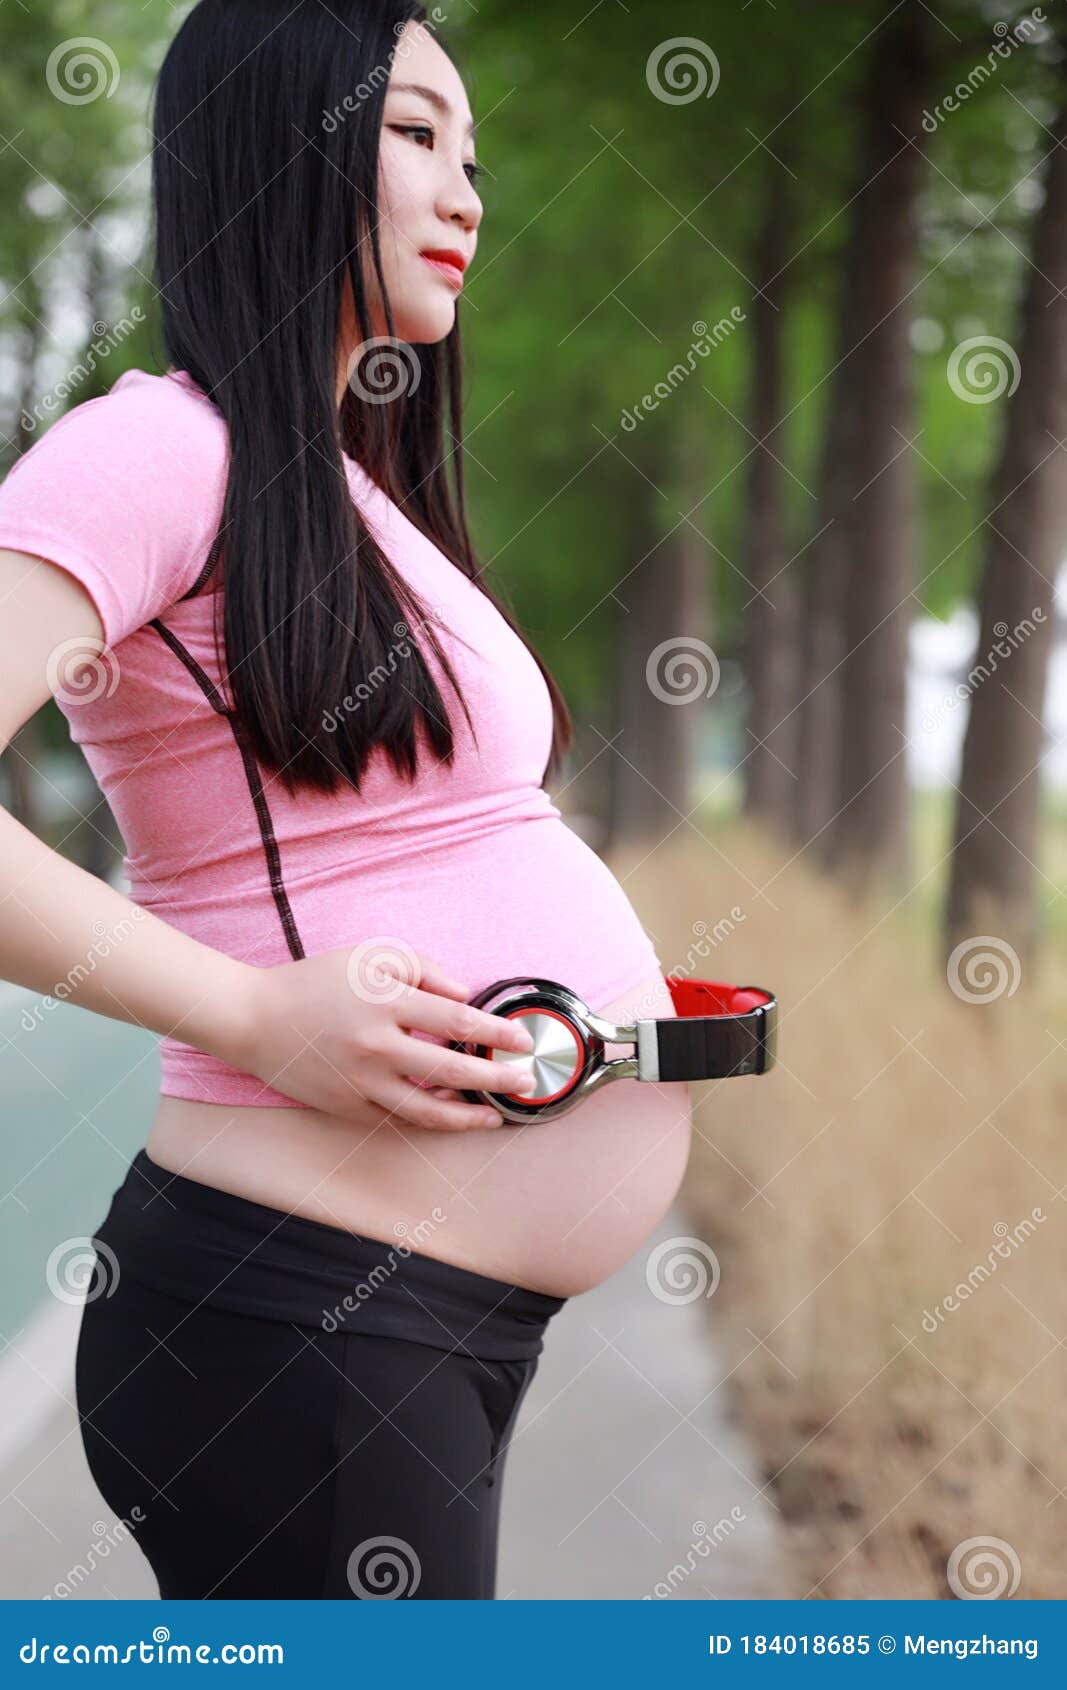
474	171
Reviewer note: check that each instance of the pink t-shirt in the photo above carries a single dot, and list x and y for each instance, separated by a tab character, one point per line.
472	866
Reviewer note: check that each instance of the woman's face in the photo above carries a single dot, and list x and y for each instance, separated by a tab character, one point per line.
427	200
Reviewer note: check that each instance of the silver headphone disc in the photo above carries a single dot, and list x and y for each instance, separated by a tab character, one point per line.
557	1058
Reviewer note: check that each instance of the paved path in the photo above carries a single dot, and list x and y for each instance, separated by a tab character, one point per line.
623	1478
57	1535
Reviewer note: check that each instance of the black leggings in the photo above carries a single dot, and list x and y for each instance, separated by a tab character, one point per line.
279	1408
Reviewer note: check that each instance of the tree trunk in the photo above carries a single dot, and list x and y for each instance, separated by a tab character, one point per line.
662	673
825	573
869	834
771	644
991	889
30	342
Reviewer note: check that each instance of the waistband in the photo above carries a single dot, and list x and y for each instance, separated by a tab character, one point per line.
204	1245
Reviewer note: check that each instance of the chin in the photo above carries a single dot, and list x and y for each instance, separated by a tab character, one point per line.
425	321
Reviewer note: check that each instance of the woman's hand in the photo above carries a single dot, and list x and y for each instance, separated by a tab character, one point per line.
334	1032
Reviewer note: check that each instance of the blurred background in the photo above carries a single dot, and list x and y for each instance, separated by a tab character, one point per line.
766	434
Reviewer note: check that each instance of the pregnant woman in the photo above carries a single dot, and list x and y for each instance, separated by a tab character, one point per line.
321	1289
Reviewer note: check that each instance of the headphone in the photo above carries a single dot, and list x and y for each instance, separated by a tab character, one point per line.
720	1031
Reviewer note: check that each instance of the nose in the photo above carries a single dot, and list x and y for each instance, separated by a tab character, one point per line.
458	201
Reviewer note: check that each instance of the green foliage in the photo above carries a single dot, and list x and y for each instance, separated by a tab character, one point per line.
615	220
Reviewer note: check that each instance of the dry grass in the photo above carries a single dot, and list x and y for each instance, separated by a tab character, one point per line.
847	1194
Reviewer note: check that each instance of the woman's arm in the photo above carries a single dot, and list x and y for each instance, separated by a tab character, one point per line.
56	918
62	927
63	932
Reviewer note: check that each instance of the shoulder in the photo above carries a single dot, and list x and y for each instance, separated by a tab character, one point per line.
159	415
158	432
173	399
125	491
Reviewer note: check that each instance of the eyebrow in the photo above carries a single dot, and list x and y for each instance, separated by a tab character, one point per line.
436	100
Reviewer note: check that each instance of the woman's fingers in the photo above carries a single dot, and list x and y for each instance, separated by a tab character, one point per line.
419	1106
429	1013
434	979
451	1068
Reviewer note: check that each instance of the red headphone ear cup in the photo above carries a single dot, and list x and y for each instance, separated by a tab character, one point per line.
565	1049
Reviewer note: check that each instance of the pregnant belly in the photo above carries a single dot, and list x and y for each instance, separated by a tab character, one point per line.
556	1206
529	897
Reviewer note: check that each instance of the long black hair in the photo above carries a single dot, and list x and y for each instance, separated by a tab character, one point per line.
267	124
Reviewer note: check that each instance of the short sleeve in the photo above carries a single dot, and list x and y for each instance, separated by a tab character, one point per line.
125	493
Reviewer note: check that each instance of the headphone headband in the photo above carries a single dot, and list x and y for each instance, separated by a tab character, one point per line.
721	1031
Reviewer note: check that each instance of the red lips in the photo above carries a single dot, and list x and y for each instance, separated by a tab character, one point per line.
446	255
